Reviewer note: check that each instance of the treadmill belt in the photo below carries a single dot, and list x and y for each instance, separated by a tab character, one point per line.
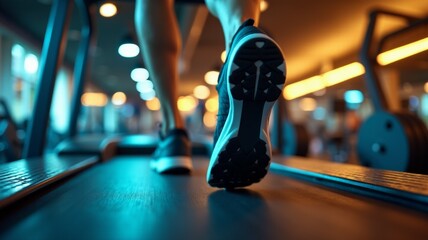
124	199
22	177
408	189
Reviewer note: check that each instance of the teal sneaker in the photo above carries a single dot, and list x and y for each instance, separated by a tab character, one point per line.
250	82
173	154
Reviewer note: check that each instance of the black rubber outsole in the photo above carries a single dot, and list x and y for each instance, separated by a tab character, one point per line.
257	80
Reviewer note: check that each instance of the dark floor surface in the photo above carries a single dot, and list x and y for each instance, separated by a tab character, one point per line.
124	199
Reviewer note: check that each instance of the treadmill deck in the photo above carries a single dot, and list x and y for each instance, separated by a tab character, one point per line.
124	199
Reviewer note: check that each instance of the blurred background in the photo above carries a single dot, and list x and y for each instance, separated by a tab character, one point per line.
321	106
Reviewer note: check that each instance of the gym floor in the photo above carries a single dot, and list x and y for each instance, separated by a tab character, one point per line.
124	199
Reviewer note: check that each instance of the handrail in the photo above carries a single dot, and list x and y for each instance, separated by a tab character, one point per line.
368	59
51	57
81	65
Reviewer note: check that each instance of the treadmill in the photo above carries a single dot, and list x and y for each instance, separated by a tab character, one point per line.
88	196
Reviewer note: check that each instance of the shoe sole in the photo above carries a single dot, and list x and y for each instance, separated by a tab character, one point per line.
172	165
255	79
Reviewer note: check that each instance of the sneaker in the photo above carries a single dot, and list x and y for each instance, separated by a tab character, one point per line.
173	154
250	82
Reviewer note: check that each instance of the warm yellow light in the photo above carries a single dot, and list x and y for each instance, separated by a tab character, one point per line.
399	53
212	104
210	120
307	104
108	10
223	56
263	5
426	87
211	77
94	99
303	87
352	70
320	82
153	104
187	103
118	99
201	92
342	74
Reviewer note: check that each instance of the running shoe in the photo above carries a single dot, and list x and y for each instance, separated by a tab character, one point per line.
250	82
173	154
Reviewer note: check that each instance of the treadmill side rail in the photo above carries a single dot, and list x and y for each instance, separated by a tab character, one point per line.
403	188
22	177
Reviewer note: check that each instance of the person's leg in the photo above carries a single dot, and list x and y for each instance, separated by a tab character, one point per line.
158	35
232	13
250	82
159	39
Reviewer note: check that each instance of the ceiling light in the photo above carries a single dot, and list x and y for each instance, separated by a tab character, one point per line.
263	5
351	70
405	51
108	10
342	74
94	99
186	104
128	50
153	104
211	77
31	63
303	87
139	74
144	86
201	92
148	95
17	51
322	81
118	99
212	104
223	56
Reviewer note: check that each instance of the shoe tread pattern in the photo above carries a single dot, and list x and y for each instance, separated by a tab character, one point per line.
257	77
244	79
237	167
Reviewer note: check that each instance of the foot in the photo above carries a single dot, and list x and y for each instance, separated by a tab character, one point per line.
250	82
173	154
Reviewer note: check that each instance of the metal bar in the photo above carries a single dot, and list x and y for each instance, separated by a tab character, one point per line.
412	25
51	57
368	59
80	65
371	78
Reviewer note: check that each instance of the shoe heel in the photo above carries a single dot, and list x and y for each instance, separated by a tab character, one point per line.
258	71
